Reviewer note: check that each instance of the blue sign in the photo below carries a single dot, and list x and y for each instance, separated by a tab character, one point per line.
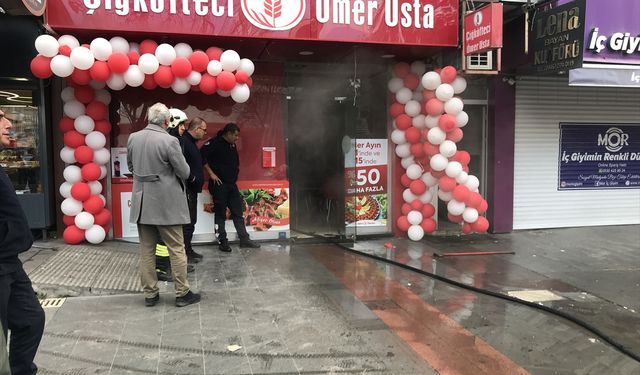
599	156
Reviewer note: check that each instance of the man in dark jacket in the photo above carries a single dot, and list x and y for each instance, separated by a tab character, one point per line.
223	165
195	131
20	310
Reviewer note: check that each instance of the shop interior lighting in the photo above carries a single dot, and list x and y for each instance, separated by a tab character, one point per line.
15	98
305	53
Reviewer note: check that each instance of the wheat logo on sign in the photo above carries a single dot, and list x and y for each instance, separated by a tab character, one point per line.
274	14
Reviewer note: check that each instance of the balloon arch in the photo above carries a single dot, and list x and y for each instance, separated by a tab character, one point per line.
428	121
117	63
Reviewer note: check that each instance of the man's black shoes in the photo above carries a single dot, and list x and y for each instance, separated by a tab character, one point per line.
149	302
193	257
224	246
187	299
249	244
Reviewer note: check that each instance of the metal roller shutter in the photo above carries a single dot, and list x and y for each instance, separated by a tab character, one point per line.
541	104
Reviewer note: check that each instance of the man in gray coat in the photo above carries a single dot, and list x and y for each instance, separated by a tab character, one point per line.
159	203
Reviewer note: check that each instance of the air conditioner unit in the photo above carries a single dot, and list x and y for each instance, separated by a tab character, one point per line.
481	61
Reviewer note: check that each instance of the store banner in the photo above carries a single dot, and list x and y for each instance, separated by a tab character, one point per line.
599	156
366	183
403	22
604	77
483	29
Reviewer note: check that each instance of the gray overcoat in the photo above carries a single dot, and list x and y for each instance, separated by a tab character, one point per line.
159	170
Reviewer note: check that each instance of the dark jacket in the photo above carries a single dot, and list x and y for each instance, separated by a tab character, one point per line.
15	234
192	155
222	158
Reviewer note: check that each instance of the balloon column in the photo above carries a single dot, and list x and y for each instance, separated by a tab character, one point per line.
428	121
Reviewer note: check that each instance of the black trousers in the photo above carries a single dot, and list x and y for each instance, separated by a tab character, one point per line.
188	229
227	195
21	312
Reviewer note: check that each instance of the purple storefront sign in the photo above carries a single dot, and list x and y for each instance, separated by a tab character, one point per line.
612	32
599	156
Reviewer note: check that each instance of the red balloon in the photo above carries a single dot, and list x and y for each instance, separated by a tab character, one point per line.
428	94
412	134
226	81
403	122
103	217
81	77
241	77
448	74
438	174
428	225
418	187
118	62
447	122
148	46
80	191
462	157
481	225
73	235
416	204
474	200
428	210
482	208
93	205
41	67
411	81
68	220
430	149
73	139
100	71
84	94
466	228
97	110
396	109
405	180
455	218
181	67
83	154
199	61
64	50
405	209
90	172
66	124
434	107
447	183
163	76
133	57
208	84
103	126
401	70
461	193
455	135
403	223
214	53
149	82
417	150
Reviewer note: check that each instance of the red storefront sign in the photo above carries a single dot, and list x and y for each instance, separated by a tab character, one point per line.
407	22
483	29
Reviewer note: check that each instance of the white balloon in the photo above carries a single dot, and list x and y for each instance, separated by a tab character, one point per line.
431	80
72	174
414	171
426	197
134	76
445	196
95	234
103	96
247	66
82	58
68	40
67	94
67	155
65	189
462	119
455	208
71	207
406	162
119	44
47	45
61	66
223	93
418	67
395	84
398	137
101	49
414	217
133	46
95	186
183	50
453	106
436	136
84	124
230	60
84	220
470	215
418	121
431	121
101	156
448	148
103	172
194	78
404	95
438	162
97	85
96	141
412	108
462	178
240	93
472	183
453	169
429	179
73	109
403	150
459	85
444	92
180	86
116	82
165	53
415	233
148	63
408	196
214	67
